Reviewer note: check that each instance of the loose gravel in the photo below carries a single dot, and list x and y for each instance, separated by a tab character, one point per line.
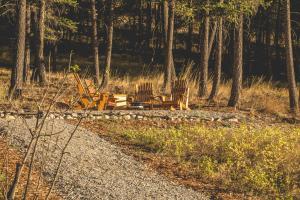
94	168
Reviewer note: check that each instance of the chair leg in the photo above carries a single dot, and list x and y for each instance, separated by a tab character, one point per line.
180	106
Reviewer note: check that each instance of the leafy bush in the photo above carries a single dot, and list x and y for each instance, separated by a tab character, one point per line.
75	68
264	162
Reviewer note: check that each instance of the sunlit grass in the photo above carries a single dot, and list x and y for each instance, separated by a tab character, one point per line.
4	81
263	162
258	95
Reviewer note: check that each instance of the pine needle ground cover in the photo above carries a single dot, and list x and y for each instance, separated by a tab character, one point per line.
246	160
9	157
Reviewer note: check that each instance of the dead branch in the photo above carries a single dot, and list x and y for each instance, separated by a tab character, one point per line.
61	158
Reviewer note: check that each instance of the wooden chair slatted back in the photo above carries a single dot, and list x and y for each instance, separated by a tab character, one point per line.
144	92
85	87
90	87
180	91
81	86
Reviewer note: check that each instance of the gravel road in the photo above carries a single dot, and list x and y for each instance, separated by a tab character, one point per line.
94	168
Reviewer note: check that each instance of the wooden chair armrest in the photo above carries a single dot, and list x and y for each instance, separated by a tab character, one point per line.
160	97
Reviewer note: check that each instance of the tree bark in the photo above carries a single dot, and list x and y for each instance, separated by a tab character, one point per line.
269	50
166	28
212	36
204	58
95	42
110	29
238	64
141	25
294	106
15	90
40	74
218	62
26	70
169	48
54	56
149	26
166	20
35	29
276	41
189	40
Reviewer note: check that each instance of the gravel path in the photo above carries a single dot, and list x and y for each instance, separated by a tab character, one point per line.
94	168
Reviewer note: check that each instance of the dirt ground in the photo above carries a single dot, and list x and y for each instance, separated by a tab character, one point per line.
9	157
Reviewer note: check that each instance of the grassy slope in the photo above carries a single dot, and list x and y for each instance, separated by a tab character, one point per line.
230	162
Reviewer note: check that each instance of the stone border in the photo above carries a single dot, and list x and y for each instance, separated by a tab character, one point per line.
155	115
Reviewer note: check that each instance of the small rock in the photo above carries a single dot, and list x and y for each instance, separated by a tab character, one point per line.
115	117
218	119
84	115
234	120
75	115
10	117
98	117
106	117
21	111
139	117
127	117
51	116
68	117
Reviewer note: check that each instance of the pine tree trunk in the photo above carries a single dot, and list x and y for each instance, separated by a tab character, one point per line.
26	70
166	28
204	58
54	56
269	50
218	62
34	76
15	90
40	74
276	41
141	25
110	29
294	106
238	64
212	36
166	20
95	41
189	41
169	48
160	32
149	25
158	29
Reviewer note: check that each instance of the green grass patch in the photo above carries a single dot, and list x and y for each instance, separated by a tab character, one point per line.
2	179
262	162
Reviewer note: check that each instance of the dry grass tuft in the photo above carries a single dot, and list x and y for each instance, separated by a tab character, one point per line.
257	95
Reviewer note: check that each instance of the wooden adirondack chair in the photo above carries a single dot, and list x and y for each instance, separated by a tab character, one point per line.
144	95
180	93
89	97
179	96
